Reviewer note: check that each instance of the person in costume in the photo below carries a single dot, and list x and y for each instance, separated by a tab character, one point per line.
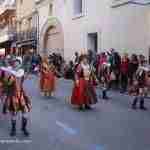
105	79
16	101
2	79
138	89
47	78
83	94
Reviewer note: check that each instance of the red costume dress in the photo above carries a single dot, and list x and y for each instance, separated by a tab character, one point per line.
47	79
83	91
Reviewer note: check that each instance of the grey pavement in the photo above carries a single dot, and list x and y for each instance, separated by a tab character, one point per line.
55	125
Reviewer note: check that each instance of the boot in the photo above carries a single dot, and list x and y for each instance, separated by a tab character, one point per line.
134	103
13	128
24	126
104	94
87	106
142	107
80	107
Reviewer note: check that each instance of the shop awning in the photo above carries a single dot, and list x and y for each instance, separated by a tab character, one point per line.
26	43
118	3
2	51
4	38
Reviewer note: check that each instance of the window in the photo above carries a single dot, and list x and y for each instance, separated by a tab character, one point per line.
50	9
21	1
78	7
30	22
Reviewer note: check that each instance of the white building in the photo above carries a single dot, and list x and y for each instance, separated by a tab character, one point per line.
79	25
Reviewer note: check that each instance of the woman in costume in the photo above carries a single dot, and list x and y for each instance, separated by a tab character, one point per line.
16	101
83	94
47	78
138	89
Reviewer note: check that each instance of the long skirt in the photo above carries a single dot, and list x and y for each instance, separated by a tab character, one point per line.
41	82
83	93
48	82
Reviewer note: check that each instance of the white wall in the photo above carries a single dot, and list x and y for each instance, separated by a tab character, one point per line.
125	28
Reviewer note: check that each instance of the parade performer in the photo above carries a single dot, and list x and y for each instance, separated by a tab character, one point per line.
47	78
138	89
16	101
83	92
2	81
105	79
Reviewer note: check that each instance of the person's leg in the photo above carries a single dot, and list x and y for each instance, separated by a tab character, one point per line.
117	81
104	93
24	124
13	124
142	103
135	100
124	83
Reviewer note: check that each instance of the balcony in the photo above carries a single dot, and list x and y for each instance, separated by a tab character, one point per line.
6	34
118	3
27	35
6	6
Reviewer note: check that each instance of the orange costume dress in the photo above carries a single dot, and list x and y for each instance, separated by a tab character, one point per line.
47	79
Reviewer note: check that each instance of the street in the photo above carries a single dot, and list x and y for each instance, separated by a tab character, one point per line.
55	125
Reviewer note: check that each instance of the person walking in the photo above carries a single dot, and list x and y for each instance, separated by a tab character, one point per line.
83	94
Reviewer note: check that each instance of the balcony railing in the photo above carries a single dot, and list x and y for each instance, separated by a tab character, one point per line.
27	35
118	3
8	32
7	5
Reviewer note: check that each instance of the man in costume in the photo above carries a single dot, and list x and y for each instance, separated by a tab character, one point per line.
16	101
83	94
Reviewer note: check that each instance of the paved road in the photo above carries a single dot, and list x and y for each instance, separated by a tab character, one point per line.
55	125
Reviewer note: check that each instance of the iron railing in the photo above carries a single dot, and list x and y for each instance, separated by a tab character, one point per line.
27	35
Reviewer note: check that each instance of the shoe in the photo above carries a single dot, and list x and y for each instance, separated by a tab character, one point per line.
80	108
143	108
105	98
134	107
87	107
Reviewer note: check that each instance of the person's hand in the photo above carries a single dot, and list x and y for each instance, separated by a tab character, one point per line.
77	82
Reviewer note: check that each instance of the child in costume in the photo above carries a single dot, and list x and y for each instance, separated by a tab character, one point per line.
105	78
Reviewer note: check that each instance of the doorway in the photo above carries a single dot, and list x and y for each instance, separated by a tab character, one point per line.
93	41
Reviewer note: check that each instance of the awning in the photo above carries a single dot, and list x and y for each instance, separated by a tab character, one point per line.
26	43
2	51
118	3
4	38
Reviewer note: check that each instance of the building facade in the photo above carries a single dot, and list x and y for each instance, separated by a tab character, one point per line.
7	26
26	26
66	26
